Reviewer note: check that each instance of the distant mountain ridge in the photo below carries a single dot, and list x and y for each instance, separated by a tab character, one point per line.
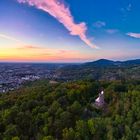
106	62
102	69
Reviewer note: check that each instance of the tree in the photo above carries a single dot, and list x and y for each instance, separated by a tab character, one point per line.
68	134
82	129
11	130
45	130
48	138
16	138
91	126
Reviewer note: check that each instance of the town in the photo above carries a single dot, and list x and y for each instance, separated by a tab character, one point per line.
14	75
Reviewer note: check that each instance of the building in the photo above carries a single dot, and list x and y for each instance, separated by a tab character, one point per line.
99	102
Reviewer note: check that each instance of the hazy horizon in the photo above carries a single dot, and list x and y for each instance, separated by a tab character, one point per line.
45	62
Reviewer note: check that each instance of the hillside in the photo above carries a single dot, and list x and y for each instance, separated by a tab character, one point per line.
105	62
64	111
102	70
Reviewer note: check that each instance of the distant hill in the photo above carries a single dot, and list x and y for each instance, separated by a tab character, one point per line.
106	62
102	69
132	62
101	62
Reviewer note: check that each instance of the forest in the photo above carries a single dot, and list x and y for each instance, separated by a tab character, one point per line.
65	111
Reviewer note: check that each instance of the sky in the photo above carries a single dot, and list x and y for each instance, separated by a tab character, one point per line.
69	30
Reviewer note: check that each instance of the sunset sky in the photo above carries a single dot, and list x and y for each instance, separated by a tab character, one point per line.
69	30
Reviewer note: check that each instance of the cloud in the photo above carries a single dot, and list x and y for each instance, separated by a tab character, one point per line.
129	7
44	51
9	38
112	31
62	13
126	10
99	24
135	35
29	47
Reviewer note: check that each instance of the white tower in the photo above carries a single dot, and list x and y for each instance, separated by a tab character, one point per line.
100	100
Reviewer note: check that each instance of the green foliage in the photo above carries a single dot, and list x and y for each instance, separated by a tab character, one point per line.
64	111
48	138
68	134
15	138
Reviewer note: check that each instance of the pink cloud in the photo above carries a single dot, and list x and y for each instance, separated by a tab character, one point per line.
29	47
62	13
135	35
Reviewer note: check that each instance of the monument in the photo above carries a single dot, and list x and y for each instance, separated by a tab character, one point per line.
99	102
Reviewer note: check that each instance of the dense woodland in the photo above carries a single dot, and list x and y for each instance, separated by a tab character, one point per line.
65	111
96	71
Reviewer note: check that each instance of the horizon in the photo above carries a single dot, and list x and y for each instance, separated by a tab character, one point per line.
33	62
68	31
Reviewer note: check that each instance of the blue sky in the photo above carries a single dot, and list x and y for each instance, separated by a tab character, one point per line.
98	29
